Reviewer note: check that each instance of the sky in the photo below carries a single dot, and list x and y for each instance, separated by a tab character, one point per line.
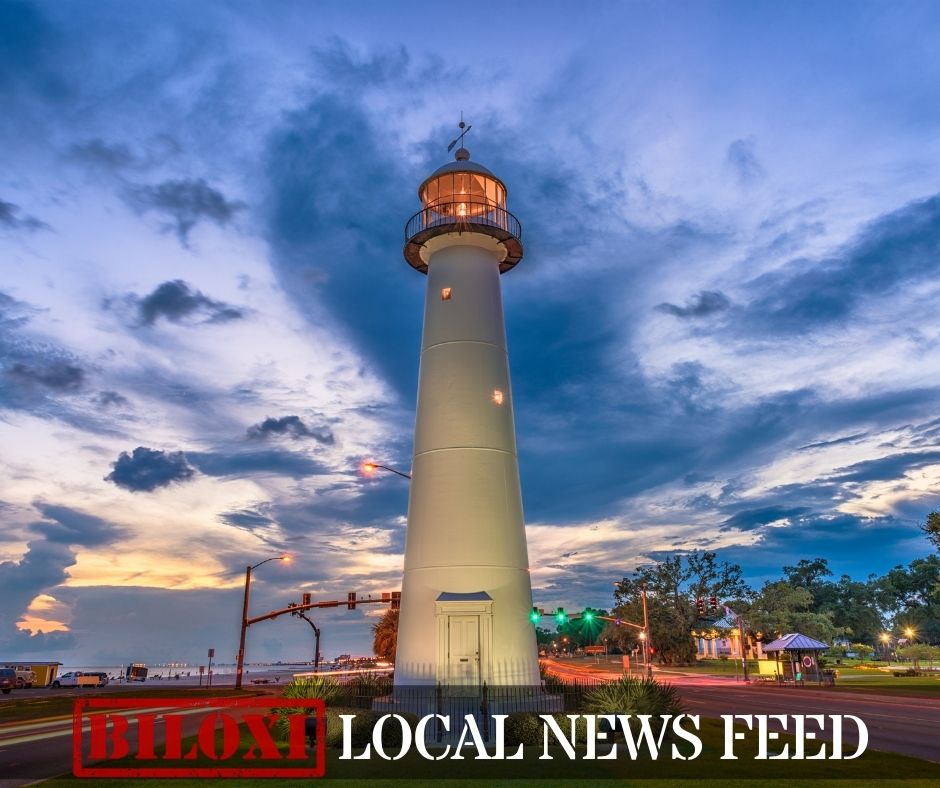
723	335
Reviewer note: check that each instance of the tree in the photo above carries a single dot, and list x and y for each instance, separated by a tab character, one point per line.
385	636
931	528
910	596
670	586
781	608
863	649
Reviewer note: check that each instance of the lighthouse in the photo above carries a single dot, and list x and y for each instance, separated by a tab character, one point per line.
466	593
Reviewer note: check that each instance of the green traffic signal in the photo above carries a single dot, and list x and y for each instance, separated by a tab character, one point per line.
561	616
534	616
587	615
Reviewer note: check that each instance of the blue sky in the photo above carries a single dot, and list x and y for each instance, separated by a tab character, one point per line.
724	333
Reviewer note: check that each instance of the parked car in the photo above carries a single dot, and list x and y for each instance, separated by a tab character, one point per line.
77	679
7	680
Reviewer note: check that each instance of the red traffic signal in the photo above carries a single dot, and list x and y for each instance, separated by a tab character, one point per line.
700	606
351	600
713	600
396	600
306	598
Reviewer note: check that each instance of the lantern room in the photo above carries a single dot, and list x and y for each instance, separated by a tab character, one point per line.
463	203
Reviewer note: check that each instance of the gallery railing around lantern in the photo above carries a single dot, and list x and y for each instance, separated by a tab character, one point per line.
463	216
463	213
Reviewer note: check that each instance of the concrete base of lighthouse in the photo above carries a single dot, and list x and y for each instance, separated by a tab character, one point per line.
468	644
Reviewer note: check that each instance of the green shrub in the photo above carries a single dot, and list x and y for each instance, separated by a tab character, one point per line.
630	695
526	728
314	687
635	696
523	727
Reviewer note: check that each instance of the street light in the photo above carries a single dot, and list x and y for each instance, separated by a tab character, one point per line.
369	467
885	640
240	661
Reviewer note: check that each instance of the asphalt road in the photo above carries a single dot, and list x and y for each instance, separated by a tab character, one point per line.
909	726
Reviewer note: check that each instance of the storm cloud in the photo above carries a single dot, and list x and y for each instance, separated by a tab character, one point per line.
702	304
290	427
184	203
177	302
145	470
13	218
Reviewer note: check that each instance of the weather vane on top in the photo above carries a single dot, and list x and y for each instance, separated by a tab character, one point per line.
464	128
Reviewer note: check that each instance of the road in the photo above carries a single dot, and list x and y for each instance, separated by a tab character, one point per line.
909	726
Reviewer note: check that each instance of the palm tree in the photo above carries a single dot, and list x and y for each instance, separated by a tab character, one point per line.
385	639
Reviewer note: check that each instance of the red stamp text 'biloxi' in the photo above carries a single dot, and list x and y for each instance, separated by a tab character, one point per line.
198	737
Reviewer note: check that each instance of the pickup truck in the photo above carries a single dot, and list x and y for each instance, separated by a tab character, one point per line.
77	679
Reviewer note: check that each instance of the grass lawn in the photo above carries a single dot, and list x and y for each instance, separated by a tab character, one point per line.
62	705
886	684
872	765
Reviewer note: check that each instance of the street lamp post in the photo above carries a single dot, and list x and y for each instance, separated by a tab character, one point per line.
369	468
885	640
240	660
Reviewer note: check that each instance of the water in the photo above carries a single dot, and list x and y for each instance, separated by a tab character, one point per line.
185	670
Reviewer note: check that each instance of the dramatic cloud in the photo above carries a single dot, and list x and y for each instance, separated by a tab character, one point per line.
107	399
185	202
58	376
145	469
273	463
68	526
291	427
40	569
176	301
899	248
702	304
743	160
13	218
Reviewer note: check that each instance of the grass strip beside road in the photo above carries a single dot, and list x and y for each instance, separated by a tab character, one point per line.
62	705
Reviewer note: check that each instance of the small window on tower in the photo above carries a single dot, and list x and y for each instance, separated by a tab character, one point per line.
445	294
498	397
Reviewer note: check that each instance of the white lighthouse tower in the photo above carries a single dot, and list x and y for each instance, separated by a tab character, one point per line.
466	593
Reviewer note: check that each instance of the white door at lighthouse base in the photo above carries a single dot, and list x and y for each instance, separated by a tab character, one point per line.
464	638
463	650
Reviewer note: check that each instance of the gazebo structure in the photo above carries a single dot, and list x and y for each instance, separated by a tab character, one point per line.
797	657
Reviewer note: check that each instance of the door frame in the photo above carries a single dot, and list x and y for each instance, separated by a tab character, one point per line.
477	604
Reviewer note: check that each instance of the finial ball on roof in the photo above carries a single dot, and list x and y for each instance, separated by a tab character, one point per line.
462	154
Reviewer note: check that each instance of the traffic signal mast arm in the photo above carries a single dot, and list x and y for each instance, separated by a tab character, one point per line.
394	599
539	613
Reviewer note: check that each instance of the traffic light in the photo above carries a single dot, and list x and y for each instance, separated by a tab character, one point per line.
396	600
713	600
560	616
534	616
587	615
351	600
306	599
700	606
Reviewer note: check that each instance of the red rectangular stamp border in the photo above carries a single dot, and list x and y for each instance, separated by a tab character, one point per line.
83	704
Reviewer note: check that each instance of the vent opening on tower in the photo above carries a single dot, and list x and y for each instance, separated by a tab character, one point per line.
445	294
